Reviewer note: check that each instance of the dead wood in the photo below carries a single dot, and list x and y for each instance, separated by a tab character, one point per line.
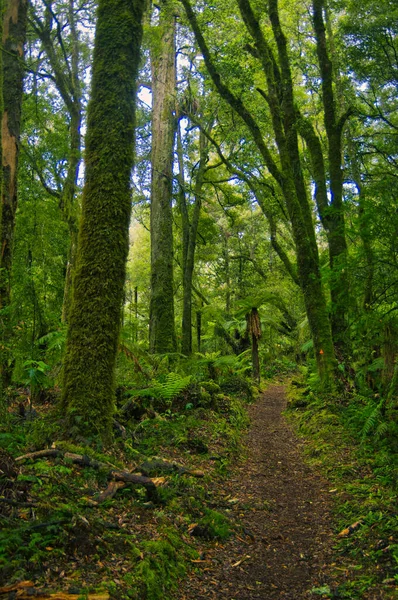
26	590
110	491
16	503
127	477
86	461
46	453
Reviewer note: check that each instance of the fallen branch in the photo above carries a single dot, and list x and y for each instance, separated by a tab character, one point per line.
127	477
16	503
161	466
47	453
85	461
26	590
110	491
350	529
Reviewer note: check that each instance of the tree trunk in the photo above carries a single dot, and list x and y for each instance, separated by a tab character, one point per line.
70	208
13	40
199	329
67	80
190	236
162	336
98	287
335	220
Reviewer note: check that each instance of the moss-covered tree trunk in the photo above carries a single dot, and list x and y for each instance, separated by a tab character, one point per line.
162	336
2	405
13	40
94	320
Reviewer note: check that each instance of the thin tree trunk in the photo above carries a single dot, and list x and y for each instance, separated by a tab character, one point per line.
162	336
67	80
186	345
13	40
199	329
92	339
70	208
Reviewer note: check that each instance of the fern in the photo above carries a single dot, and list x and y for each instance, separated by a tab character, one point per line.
309	345
374	419
376	365
166	388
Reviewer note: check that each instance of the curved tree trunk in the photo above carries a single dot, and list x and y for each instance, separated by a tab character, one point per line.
94	320
162	336
13	39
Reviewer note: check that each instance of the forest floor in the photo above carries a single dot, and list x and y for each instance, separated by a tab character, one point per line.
235	519
284	510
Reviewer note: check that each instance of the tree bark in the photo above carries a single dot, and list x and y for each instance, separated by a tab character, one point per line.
13	40
92	338
162	336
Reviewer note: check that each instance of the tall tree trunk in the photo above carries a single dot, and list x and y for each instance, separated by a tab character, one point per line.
334	220
94	320
190	230
162	336
2	406
13	40
69	203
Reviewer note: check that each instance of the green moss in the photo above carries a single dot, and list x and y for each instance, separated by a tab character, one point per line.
160	565
211	387
89	367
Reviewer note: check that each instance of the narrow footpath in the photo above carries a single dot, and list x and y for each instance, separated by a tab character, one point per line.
281	508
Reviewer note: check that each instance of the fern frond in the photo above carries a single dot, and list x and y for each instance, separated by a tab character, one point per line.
373	419
167	389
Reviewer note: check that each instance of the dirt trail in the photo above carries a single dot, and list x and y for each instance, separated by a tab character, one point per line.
282	507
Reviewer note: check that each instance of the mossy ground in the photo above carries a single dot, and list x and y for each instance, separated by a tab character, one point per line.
363	475
127	545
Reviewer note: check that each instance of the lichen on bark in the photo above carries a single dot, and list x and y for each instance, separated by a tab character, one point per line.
94	320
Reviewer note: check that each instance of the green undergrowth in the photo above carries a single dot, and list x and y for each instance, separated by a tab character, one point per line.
362	471
131	546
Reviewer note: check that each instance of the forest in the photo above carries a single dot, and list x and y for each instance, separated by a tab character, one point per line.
198	299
